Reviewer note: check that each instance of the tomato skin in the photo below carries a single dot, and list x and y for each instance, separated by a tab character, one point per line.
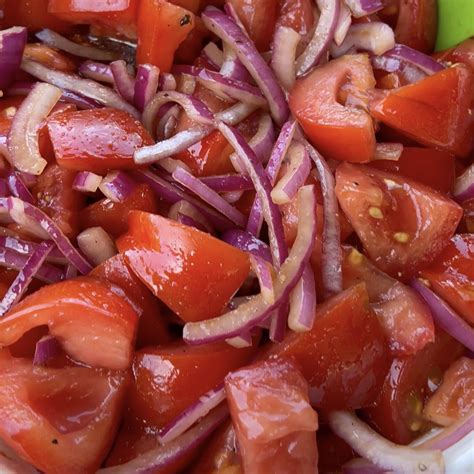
462	53
346	349
339	132
91	318
113	216
59	420
273	420
193	273
451	275
434	111
410	223
296	14
162	27
410	381
103	139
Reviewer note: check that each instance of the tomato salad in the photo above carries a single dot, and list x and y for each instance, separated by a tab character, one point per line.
236	236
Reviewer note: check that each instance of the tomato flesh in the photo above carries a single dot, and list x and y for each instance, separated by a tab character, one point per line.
296	14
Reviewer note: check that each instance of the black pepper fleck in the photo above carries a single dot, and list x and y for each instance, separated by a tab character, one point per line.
185	20
55	441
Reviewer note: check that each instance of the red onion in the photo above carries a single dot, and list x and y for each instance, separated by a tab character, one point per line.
186	69
323	35
117	186
383	453
303	302
343	24
167	82
18	188
25	247
232	66
213	55
187	84
226	29
168	118
4	188
97	71
264	272
360	8
23	146
445	317
86	182
12	45
448	437
228	183
96	245
24	277
239	342
90	89
209	196
283	63
170	164
388	151
248	243
250	314
71	272
46	349
464	185
124	82
186	213
146	85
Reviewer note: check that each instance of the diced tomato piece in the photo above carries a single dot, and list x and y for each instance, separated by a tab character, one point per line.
273	420
193	273
454	399
410	381
344	357
91	318
434	168
191	5
402	224
152	327
452	275
434	111
406	320
113	216
96	140
162	27
296	14
334	452
258	18
341	132
49	57
59	420
462	53
190	49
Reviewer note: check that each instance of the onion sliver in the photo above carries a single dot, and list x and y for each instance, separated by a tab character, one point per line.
285	43
124	82
360	8
264	271
46	348
303	302
228	183
18	188
97	71
96	245
86	182
117	186
12	45
146	85
248	243
186	213
464	185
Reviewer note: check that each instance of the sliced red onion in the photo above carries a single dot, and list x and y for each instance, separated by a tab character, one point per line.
209	196
117	186
4	188
97	71
213	55
299	167
46	349
146	85
164	457
239	342
264	271
360	8
23	146
186	69
375	37
248	243
12	45
96	245
232	66
464	185
168	118
228	183
86	182
445	317
23	279
254	312
18	188
187	84
323	35
383	453
303	302
167	82
170	164
85	87
26	248
283	62
388	151
71	272
199	409
185	213
226	29
343	24
29	179
448	437
331	259
124	82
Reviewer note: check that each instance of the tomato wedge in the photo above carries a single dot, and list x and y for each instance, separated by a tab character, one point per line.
296	14
193	273
402	224
91	318
274	422
96	140
338	131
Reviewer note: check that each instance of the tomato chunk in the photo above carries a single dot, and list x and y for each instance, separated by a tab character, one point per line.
296	14
274	422
96	140
452	275
338	131
91	318
402	224
193	273
344	356
434	111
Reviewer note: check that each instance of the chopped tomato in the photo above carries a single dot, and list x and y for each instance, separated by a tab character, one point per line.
113	216
190	49
454	399
434	168
91	318
296	14
55	196
193	273
434	111
258	18
191	5
152	328
162	27
410	381
333	452
462	53
338	131
273	420
59	420
49	57
406	320
402	224
96	140
344	357
452	275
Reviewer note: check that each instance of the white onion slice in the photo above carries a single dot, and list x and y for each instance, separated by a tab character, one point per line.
96	244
